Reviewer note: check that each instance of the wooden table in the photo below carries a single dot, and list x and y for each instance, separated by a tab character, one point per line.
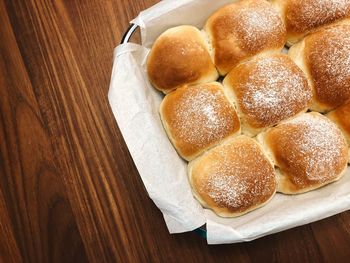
69	191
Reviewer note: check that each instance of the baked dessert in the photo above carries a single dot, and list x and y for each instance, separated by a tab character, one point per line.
309	152
180	56
198	117
304	16
265	93
233	178
325	58
341	116
242	30
267	90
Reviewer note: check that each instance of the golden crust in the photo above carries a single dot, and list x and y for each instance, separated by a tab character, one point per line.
341	116
305	16
327	57
309	151
180	56
243	29
234	178
268	90
198	117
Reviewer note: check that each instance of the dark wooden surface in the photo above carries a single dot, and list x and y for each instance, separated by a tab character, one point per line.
69	191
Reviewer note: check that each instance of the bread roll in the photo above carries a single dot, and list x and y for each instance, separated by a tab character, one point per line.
341	116
197	118
244	29
304	16
234	178
180	56
310	151
268	90
325	58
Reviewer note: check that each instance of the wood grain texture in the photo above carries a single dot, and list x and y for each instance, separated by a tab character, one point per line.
69	191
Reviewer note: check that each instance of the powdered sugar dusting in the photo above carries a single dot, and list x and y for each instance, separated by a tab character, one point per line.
305	15
240	176
244	29
255	24
275	90
329	61
189	48
313	150
203	115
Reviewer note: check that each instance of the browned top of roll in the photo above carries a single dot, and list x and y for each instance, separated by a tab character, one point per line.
197	117
309	150
180	56
233	178
327	55
303	16
342	117
269	90
243	29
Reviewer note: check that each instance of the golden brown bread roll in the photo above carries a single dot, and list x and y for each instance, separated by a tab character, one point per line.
325	58
198	117
310	151
244	29
180	56
304	16
268	90
341	116
233	178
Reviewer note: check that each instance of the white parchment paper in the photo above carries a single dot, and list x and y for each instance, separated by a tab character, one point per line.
135	106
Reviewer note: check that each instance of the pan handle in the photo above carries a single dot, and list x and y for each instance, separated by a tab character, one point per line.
128	34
